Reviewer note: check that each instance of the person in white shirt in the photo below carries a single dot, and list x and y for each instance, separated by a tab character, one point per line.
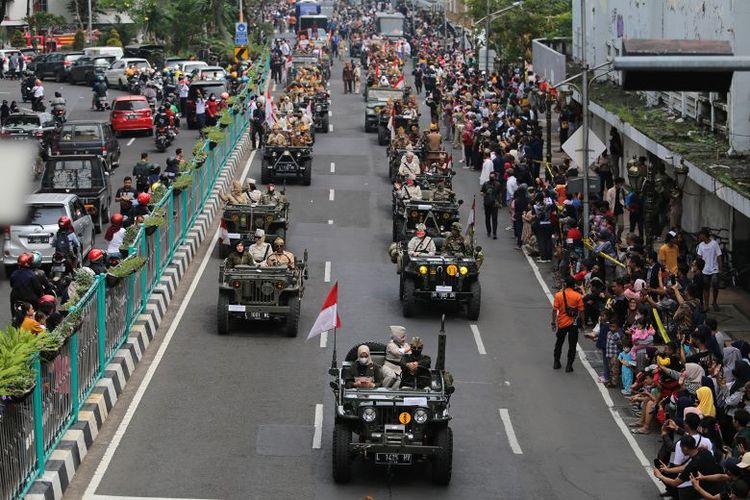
487	168
710	251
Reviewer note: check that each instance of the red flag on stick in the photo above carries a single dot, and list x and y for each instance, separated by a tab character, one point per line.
328	319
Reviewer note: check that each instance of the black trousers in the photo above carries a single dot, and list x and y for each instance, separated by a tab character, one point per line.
544	241
490	219
572	333
256	134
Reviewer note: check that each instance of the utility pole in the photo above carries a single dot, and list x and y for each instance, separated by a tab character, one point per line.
585	124
548	98
487	41
90	31
241	16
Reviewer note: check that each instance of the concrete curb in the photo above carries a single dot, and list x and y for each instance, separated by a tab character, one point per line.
70	452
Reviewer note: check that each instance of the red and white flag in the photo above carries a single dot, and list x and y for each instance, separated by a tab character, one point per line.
328	319
472	216
399	83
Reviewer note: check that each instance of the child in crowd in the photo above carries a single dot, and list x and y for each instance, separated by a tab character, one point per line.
614	340
627	362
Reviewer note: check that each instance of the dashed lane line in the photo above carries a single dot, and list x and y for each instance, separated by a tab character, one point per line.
509	432
478	339
331	195
333	167
327	272
130	142
318	433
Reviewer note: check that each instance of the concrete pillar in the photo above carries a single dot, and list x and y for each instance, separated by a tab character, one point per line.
739	125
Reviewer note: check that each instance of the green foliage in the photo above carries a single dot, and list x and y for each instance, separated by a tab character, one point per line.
157	194
82	282
79	9
17	350
215	135
113	39
128	266
79	41
183	182
156	218
43	21
226	119
67	326
130	234
513	31
17	39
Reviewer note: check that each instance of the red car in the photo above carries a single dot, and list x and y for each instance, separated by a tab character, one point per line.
132	113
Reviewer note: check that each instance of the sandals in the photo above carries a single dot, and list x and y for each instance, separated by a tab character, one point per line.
639	431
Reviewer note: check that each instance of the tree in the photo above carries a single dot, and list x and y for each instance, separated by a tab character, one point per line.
113	40
513	31
43	21
80	11
17	39
79	41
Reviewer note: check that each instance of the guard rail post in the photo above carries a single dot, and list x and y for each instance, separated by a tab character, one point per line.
41	459
144	271
170	217
101	320
76	404
186	219
157	255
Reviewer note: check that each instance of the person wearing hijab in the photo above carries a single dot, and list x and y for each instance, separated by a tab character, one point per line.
364	374
706	402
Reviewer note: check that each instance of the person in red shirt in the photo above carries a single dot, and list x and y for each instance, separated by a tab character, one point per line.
212	107
567	314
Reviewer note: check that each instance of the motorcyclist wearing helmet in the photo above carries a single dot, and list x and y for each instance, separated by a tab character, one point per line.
36	266
97	261
150	93
58	103
24	283
115	235
161	120
66	242
173	165
99	89
37	96
48	305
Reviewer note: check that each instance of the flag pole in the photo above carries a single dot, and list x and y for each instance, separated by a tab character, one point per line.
333	357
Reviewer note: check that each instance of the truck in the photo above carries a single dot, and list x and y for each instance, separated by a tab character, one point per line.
390	24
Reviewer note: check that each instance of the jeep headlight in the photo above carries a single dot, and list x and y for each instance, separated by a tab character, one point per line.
463	270
451	270
420	416
267	288
422	269
368	415
377	110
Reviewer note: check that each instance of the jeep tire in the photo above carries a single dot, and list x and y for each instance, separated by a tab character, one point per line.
266	175
342	458
398	226
442	461
222	314
475	301
224	250
307	175
291	324
409	304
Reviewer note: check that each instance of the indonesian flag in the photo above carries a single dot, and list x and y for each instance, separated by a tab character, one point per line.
472	216
399	83
328	319
377	73
270	117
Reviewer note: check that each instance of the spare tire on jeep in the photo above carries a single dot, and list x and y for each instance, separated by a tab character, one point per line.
374	346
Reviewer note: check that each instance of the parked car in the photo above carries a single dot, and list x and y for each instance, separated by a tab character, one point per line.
115	75
188	67
211	73
41	126
57	65
88	137
131	113
95	52
37	230
86	68
175	63
82	175
207	87
36	62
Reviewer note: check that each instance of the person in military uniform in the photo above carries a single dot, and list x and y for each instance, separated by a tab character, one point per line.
252	191
415	367
442	193
297	140
421	244
238	257
271	196
408	190
236	195
394	351
401	141
363	374
433	143
281	257
409	167
276	138
455	244
259	251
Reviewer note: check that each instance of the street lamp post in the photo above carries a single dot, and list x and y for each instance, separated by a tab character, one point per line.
487	20
89	27
585	124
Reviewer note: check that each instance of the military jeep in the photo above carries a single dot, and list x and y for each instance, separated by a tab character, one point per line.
241	221
288	161
400	121
394	160
261	293
437	216
441	279
376	99
394	427
320	107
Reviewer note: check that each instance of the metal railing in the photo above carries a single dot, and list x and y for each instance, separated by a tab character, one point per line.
32	426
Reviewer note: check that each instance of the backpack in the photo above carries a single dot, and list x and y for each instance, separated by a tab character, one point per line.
62	243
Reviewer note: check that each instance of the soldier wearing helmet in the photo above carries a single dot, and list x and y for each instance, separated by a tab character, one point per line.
24	283
66	242
421	244
415	367
455	244
280	257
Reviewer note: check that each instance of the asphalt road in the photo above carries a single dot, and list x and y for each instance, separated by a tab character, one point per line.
233	417
78	99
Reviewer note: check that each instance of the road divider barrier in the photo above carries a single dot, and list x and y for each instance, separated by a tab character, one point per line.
45	433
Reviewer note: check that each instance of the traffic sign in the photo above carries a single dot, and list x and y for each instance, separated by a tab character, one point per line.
240	34
574	148
241	54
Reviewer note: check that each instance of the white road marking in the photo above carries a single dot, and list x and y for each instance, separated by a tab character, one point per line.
330	113
318	434
132	139
109	453
330	127
604	393
478	339
333	167
507	382
512	440
324	340
330	195
330	221
327	272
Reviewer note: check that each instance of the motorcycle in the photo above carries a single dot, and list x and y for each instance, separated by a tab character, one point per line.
61	275
26	94
163	138
37	104
102	104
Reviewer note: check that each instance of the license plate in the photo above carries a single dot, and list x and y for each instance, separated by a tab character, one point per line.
258	315
393	458
236	308
233	236
58	269
38	239
131	117
443	289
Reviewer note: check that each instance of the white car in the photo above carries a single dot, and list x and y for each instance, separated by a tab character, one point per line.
211	73
189	66
5	56
115	75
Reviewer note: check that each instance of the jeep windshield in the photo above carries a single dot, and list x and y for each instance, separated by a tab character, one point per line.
385	94
72	174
